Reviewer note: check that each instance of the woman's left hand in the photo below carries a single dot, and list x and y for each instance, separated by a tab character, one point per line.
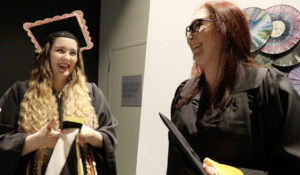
88	135
85	134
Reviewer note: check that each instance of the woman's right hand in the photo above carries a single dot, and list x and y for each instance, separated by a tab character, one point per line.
45	137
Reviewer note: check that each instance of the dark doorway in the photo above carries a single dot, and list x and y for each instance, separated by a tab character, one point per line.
17	52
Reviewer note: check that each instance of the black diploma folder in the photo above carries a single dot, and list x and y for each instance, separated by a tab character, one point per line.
183	146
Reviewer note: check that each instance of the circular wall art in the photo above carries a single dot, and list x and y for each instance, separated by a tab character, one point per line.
288	58
260	24
286	29
294	78
262	59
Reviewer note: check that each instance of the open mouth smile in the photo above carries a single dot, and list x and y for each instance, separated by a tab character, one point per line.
196	46
64	66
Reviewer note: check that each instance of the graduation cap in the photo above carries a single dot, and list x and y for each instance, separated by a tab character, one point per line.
68	25
183	146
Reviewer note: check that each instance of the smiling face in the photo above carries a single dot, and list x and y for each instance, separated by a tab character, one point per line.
205	43
63	58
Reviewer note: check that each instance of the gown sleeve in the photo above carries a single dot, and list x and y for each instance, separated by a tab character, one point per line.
11	142
105	156
280	115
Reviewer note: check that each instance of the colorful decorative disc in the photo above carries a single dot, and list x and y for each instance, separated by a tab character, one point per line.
288	58
286	29
260	24
262	60
294	78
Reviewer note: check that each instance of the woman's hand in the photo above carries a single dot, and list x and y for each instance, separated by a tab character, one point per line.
45	137
212	167
209	170
88	135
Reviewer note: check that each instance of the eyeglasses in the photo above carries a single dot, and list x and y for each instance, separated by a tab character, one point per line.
195	26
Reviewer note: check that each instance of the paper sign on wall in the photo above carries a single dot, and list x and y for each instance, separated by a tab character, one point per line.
131	90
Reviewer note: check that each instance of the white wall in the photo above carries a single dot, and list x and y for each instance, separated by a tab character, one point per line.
122	22
168	62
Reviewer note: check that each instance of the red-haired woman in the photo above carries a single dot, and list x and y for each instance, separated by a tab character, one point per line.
240	117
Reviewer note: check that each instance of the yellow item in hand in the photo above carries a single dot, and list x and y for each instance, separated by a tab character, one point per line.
74	119
222	169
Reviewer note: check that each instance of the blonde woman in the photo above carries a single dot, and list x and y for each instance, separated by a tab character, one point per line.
32	111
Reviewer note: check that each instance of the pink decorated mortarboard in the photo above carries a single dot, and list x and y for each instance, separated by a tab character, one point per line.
68	25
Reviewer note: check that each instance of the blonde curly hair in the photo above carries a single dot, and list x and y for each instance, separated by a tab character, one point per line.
39	103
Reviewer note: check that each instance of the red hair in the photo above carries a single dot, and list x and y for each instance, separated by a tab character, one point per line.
235	52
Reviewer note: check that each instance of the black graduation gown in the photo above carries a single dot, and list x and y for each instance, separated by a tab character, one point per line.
12	142
260	133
